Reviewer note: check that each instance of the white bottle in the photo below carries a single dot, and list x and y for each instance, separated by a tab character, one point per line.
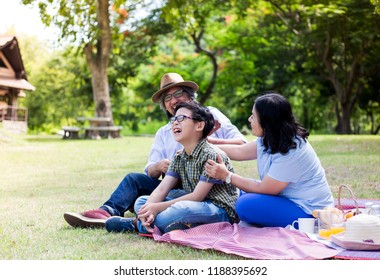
368	206
375	210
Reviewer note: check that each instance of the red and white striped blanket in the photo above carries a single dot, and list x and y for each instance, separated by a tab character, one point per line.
269	243
263	243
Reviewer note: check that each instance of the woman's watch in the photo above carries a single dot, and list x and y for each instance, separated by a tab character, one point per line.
228	178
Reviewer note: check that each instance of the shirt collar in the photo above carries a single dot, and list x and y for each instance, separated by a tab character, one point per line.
167	126
197	150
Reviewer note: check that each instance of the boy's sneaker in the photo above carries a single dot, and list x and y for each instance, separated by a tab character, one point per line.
180	226
89	219
119	224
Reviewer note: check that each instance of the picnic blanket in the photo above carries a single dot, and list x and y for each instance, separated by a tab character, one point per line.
358	255
267	243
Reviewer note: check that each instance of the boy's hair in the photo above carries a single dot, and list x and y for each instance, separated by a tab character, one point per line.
199	113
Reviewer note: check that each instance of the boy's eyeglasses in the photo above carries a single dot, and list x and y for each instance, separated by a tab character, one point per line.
177	94
180	118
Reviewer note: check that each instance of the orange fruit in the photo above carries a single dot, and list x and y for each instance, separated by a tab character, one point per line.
348	215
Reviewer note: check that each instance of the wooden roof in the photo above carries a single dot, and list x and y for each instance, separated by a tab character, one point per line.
12	71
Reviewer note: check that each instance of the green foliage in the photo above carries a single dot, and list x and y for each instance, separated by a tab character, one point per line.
376	3
62	92
190	16
280	45
133	47
259	55
334	32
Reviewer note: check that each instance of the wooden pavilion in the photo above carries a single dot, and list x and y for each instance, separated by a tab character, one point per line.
13	82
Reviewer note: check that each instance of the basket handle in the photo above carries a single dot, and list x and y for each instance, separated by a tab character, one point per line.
352	196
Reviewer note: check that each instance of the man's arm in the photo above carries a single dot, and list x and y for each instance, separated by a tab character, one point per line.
159	168
227	133
218	141
162	151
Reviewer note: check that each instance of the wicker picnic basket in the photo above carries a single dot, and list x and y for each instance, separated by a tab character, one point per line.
346	207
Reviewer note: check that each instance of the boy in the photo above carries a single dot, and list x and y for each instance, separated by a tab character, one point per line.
202	199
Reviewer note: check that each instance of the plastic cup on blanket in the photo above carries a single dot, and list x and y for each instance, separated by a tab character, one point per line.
330	223
306	225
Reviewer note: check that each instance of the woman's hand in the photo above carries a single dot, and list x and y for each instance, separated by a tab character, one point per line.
216	170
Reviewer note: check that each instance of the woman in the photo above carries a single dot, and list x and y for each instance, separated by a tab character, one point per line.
292	181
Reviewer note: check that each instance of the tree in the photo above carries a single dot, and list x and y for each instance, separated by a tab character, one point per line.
257	55
62	91
369	101
191	19
340	34
97	56
87	24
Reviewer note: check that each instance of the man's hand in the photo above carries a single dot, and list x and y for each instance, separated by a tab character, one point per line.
163	165
217	125
159	168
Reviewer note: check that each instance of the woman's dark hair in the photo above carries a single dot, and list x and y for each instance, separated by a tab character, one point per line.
280	128
199	113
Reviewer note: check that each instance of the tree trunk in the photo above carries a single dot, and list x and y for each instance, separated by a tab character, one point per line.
345	120
99	81
97	56
348	89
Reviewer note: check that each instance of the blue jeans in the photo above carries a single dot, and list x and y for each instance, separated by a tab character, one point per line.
130	188
185	212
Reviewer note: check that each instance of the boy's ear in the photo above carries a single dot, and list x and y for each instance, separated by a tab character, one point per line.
200	126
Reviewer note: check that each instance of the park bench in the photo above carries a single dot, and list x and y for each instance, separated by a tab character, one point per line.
97	132
70	132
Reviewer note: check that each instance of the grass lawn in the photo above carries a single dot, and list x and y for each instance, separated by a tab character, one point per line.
44	176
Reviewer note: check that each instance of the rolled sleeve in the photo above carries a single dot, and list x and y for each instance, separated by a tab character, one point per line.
227	129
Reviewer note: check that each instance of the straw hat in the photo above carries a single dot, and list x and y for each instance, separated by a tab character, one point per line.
170	80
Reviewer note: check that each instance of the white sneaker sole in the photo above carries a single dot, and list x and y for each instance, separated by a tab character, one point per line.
78	220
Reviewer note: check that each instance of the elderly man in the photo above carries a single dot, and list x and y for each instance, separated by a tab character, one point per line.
173	90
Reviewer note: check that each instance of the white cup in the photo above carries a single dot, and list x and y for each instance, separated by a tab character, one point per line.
305	224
